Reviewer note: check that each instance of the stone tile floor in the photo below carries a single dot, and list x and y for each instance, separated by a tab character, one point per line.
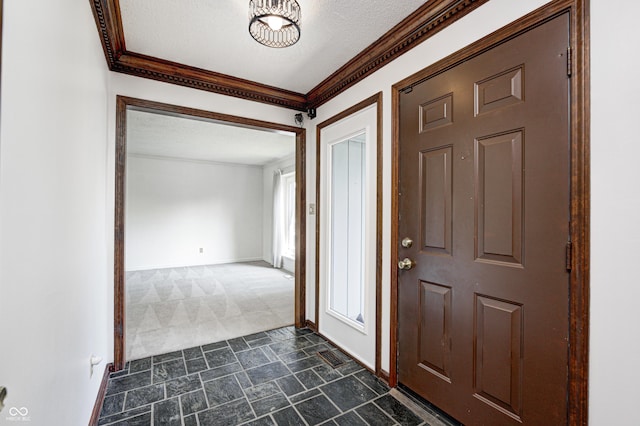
268	378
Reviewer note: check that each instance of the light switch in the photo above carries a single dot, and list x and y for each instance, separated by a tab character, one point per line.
312	208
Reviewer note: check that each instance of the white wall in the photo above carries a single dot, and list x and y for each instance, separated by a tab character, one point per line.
175	207
615	203
54	305
287	165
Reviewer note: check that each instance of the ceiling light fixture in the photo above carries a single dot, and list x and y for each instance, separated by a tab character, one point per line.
274	23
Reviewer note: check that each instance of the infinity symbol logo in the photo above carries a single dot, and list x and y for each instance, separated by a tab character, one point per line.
13	411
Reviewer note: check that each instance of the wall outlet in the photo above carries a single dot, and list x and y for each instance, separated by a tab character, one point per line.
201	250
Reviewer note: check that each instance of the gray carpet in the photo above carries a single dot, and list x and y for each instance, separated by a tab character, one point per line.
177	308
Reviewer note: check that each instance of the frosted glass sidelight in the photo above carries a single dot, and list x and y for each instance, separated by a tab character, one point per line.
347	232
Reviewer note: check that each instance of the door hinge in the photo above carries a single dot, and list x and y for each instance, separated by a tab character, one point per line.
569	61
407	90
569	255
118	330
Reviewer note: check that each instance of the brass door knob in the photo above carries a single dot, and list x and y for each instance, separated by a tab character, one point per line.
406	264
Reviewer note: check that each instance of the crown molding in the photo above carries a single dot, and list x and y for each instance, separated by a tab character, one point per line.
427	20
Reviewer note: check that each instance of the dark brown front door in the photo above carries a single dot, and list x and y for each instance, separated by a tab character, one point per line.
484	195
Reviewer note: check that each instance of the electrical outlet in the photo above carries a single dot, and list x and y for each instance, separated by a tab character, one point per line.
201	250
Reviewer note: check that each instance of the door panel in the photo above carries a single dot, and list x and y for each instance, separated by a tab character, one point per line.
484	189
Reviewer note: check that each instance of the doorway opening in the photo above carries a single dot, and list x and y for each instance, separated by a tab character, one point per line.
204	236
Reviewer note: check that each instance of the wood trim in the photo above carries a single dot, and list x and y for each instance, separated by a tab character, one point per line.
578	367
579	308
395	176
312	325
377	98
426	21
118	238
195	78
122	105
102	390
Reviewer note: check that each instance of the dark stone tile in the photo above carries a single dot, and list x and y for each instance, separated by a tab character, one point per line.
309	379
314	338
348	393
290	345
327	373
141	420
196	365
243	380
287	417
372	381
124	415
305	395
193	402
112	404
270	353
167	413
398	411
373	415
238	344
303	331
304	364
132	381
169	370
140	365
262	391
317	410
269	404
220	357
214	346
120	373
290	385
225	370
252	358
260	342
143	396
167	357
192	353
293	356
329	423
280	334
262	421
350	418
230	414
349	367
223	390
267	372
313	350
191	420
255	336
182	385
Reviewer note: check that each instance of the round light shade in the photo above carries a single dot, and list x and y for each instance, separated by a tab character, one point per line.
274	23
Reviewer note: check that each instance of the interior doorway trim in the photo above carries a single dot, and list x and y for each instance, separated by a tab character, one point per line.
125	103
375	99
578	357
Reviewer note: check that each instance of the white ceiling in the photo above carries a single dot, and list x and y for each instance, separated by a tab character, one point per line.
213	35
160	135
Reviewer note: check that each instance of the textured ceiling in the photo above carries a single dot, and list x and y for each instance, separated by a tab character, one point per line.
213	35
188	138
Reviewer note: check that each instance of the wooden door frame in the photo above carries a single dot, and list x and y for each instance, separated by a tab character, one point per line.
374	99
578	347
123	104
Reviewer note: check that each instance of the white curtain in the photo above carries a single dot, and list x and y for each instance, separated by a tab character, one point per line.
278	219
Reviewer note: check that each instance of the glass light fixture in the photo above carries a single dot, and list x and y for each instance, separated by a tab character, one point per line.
274	23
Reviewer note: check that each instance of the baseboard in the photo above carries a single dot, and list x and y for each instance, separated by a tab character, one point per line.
311	325
97	407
